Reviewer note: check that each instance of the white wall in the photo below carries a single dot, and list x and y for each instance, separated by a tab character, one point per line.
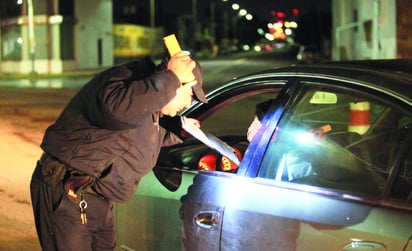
94	22
372	35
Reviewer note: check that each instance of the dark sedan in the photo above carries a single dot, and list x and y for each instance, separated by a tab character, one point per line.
329	169
321	206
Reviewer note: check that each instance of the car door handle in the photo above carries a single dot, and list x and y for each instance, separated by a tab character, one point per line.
364	245
207	219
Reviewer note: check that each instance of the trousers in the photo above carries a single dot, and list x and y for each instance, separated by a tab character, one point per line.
58	220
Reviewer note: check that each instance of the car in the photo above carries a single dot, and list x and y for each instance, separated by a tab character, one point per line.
308	54
193	201
329	169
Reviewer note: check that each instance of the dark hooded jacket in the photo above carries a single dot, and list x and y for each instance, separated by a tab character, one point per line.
110	129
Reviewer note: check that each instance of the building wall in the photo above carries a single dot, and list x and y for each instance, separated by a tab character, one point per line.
364	29
46	48
403	28
92	44
93	34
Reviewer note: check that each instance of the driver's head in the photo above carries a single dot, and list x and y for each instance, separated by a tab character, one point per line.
260	111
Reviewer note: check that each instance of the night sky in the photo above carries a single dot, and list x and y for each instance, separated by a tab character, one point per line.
261	8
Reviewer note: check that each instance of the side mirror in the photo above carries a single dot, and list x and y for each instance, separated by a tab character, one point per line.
171	179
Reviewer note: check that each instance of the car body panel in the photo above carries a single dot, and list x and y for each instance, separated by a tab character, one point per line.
251	211
140	222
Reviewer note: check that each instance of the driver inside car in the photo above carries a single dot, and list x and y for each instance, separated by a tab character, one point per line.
293	164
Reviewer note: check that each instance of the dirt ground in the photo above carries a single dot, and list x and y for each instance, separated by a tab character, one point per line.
25	113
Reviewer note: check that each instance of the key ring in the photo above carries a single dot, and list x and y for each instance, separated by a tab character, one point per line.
82	203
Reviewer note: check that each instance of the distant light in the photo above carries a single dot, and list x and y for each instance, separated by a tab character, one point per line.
277	25
249	17
278	45
19	2
235	6
288	31
295	11
19	40
281	14
257	48
269	37
260	31
242	12
291	24
246	47
57	19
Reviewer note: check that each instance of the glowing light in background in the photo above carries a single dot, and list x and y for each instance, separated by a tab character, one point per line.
269	37
242	12
246	47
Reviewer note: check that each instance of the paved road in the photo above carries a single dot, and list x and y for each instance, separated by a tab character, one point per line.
216	71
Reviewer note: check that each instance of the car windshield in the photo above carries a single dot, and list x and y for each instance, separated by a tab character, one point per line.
334	139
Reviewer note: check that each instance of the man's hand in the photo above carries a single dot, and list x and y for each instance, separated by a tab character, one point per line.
182	65
193	121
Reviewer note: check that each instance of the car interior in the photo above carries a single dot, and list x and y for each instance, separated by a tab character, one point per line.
192	155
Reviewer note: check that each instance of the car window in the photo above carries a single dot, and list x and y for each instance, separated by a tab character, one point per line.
402	188
334	139
235	118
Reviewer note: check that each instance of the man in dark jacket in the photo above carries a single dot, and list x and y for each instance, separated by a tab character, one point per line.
105	140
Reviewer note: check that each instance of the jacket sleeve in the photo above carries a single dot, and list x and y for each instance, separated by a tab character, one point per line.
172	124
116	101
171	139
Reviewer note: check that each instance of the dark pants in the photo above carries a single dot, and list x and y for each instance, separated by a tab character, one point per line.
58	221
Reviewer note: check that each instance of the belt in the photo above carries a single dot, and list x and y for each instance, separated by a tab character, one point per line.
52	171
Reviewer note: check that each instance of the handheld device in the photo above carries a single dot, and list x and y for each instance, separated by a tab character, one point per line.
173	47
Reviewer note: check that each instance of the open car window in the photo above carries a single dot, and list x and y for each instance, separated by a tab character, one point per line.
234	118
225	123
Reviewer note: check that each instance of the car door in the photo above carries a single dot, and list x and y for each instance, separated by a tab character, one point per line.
335	175
150	220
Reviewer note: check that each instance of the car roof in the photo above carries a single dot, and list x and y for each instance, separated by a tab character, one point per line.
391	76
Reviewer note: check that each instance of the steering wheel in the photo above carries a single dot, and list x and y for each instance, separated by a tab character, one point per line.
214	161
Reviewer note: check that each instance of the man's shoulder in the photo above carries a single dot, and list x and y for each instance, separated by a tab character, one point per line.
139	63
